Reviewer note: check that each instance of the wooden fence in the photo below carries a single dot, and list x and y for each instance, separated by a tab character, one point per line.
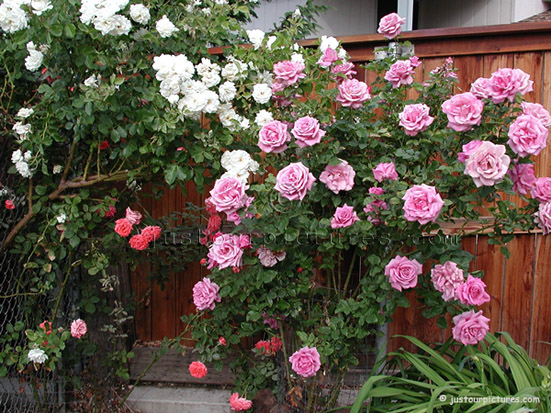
519	287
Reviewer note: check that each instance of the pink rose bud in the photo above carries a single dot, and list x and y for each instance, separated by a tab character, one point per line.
197	369
78	328
344	216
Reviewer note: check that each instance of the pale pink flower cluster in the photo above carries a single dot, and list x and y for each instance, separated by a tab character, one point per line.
205	294
422	204
400	73
78	328
227	251
385	170
139	242
390	25
344	216
415	118
338	177
470	327
487	164
306	361
287	72
374	208
523	177
464	111
273	137
353	93
527	135
505	83
294	181
307	131
446	278
269	258
403	272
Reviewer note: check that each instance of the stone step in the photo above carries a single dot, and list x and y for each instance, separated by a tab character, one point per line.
153	399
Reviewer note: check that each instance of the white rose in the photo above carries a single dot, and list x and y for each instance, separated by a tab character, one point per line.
297	57
231	72
165	27
206	11
23	169
139	13
210	79
121	25
24	113
262	93
92	81
227	91
244	123
238	160
297	12
57	169
12	18
228	118
195	102
34	60
221	2
263	117
27	156
37	355
22	130
213	103
61	218
16	156
256	37
207	66
40	6
169	87
183	67
328	42
104	24
270	41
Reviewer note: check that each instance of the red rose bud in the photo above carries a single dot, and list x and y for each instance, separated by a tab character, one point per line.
203	261
9	204
104	145
300	269
222	341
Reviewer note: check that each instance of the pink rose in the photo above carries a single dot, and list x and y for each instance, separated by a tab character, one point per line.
225	251
422	204
352	93
464	111
537	110
133	216
472	291
415	118
400	73
307	131
543	217
228	195
78	328
523	177
152	233
273	137
338	177
306	361
468	149
288	72
505	83
403	272
269	258
329	57
9	204
205	294
488	164
415	61
239	403
373	210
446	278
390	25
344	216
123	227
138	242
271	321
527	136
197	369
470	327
479	88
345	70
385	170
542	189
111	212
294	181
375	190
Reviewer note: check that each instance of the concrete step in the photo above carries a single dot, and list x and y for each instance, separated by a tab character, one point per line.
153	399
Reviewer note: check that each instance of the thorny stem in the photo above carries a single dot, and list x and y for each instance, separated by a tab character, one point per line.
285	359
88	162
58	301
350	269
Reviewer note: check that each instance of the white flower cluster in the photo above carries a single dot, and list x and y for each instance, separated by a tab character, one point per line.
328	42
20	128
202	94
165	27
92	81
103	14
13	18
21	162
139	13
34	60
37	355
238	164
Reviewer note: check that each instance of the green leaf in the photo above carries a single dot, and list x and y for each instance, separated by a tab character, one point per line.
70	30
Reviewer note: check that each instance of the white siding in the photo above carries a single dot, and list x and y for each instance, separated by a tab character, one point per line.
345	17
469	13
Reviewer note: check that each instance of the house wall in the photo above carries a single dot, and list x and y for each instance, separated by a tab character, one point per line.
470	13
345	17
